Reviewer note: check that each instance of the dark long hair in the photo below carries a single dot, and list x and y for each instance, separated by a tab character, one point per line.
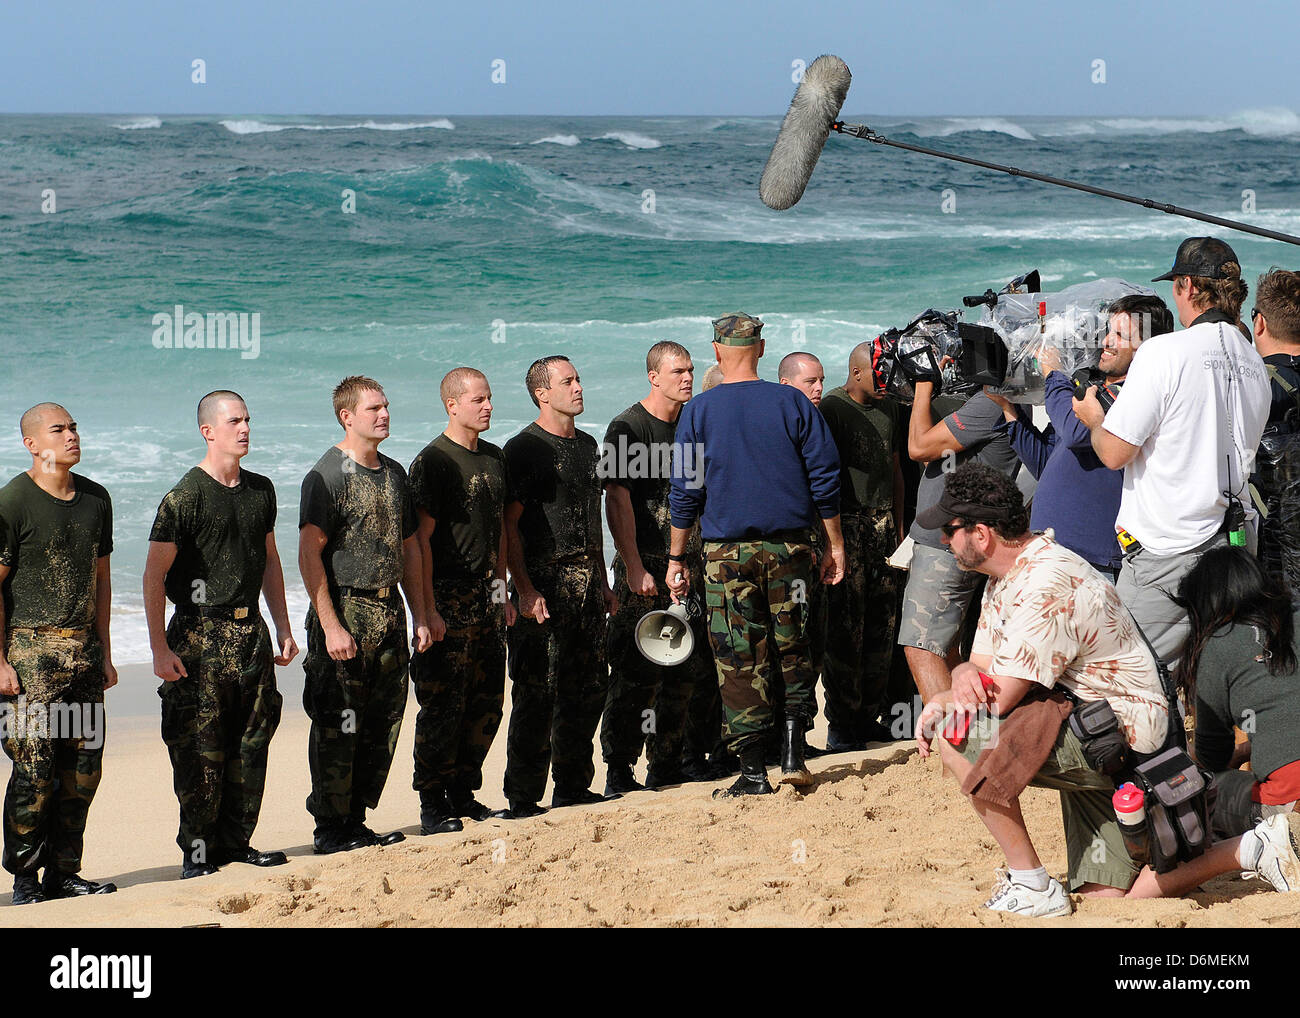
1227	586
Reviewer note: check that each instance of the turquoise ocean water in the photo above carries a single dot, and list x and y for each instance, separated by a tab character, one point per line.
492	241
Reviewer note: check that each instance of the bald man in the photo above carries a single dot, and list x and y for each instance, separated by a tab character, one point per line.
805	372
460	486
212	553
56	534
860	612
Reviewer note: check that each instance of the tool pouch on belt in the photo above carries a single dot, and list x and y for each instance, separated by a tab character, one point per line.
1095	726
1178	807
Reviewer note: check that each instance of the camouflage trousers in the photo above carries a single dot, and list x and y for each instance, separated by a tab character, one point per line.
559	678
355	707
217	723
647	703
54	734
860	610
460	685
756	593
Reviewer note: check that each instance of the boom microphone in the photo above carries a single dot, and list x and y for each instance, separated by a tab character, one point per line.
813	115
807	125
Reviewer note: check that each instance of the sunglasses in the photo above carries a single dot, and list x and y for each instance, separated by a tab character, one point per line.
950	529
1254	313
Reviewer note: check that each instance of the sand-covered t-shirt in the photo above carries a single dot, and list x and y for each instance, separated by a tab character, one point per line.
220	537
866	436
465	492
52	547
1053	618
365	514
555	480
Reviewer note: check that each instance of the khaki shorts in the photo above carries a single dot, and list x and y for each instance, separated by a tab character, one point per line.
939	591
1094	844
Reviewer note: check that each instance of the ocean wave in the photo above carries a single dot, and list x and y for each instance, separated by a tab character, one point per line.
567	140
263	127
139	124
946	126
631	139
1262	122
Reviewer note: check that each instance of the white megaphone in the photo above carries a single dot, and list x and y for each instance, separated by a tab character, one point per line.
665	637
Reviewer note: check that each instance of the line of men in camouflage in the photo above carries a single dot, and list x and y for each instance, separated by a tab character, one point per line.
447	534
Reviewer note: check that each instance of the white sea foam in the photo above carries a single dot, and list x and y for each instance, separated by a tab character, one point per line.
631	139
139	123
262	127
1264	122
960	125
568	140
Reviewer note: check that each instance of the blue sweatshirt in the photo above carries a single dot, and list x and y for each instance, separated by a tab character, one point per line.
750	459
1077	496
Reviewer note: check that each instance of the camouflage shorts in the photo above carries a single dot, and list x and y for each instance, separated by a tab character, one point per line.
939	592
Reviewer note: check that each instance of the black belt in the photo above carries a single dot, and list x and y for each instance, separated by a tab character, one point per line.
238	613
375	593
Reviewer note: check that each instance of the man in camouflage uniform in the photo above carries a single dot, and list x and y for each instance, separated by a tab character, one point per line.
460	486
647	702
356	542
860	612
212	553
557	564
56	533
756	465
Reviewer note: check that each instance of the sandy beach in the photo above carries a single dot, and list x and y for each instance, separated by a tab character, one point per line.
881	839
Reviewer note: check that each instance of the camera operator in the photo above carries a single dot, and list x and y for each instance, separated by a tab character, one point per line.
1275	320
1078	496
1185	428
938	591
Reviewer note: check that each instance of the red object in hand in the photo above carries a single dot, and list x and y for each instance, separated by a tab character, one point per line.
957	727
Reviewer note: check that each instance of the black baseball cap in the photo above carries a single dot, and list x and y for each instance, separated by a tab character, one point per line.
948	508
1203	256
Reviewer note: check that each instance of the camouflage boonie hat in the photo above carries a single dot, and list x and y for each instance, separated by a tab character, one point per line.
737	329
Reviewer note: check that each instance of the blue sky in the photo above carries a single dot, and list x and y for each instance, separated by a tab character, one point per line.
567	57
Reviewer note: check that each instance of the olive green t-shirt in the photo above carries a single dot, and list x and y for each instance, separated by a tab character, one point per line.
867	437
465	492
220	537
52	547
555	480
365	515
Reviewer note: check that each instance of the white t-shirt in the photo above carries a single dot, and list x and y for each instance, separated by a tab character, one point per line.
1054	619
1175	404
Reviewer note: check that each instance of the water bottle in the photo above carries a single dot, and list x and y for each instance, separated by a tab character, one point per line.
1130	811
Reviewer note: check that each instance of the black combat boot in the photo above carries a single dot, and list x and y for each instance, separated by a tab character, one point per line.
519	810
619	780
190	868
753	775
249	856
580	797
793	770
70	885
463	804
436	816
27	890
338	836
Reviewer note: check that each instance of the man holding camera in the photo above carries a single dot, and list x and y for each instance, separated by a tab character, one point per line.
938	592
1077	495
1184	429
1048	619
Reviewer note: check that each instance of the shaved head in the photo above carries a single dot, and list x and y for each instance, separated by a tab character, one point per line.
456	381
208	404
861	357
31	421
791	364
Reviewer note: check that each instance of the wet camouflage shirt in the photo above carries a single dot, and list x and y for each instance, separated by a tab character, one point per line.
365	515
555	480
52	547
220	537
465	492
637	456
867	438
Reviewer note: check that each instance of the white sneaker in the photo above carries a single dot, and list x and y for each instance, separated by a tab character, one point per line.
1018	899
1269	853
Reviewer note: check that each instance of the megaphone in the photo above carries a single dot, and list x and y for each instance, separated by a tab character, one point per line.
665	637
